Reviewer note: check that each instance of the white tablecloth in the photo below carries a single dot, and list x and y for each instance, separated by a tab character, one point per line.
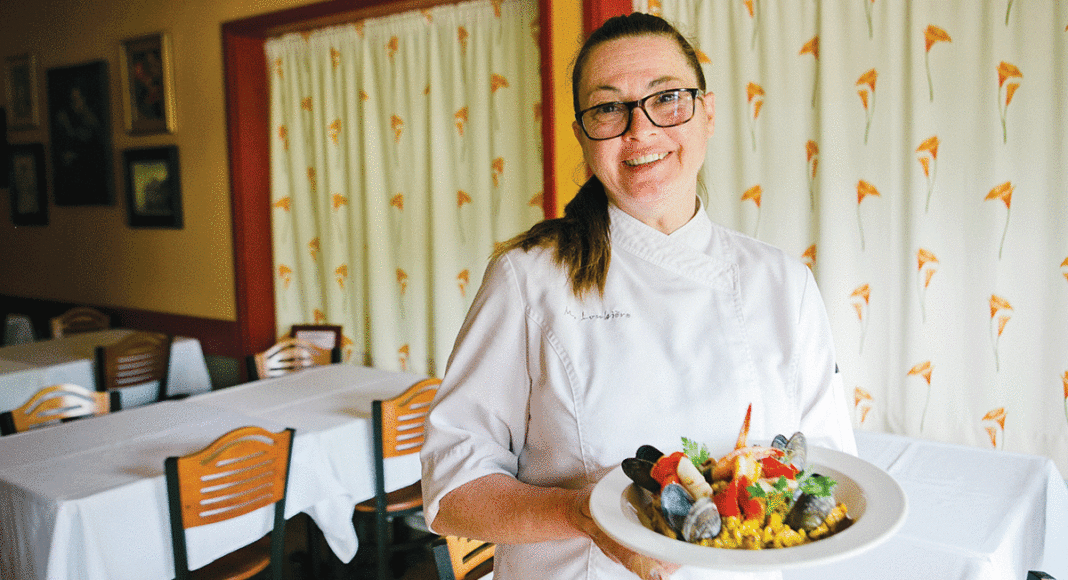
974	514
332	406
87	500
27	368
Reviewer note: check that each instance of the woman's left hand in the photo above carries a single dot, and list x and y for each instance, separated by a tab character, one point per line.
645	567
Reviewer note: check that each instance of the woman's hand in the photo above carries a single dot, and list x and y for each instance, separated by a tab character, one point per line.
645	567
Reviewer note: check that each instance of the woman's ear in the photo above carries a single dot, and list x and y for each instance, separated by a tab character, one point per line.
709	101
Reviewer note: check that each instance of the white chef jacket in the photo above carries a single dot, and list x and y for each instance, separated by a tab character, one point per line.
692	328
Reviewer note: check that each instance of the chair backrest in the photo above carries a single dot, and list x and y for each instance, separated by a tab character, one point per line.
401	420
79	319
328	336
462	558
241	471
289	355
141	357
57	403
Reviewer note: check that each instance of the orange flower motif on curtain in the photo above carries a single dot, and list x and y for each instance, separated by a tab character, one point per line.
813	47
932	35
283	204
861	300
337	201
335	57
285	274
867	14
462	280
461	120
1064	380
995	420
1064	268
755	97
928	158
313	248
1004	193
402	286
1000	313
334	130
539	199
398	127
496	7
306	103
927	266
403	356
809	257
461	37
862	403
867	98
864	189
278	68
341	273
283	134
312	183
751	6
392	46
462	199
754	193
812	152
498	171
397	201
1006	71
318	316
923	370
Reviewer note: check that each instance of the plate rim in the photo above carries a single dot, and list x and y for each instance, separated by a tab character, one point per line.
880	520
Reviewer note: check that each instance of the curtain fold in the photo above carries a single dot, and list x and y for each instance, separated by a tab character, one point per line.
912	153
403	149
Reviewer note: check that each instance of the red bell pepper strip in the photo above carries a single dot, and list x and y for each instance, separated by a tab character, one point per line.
772	468
727	500
666	468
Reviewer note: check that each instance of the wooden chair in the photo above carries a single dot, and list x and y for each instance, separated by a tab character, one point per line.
57	403
398	428
140	358
462	558
251	466
79	319
326	336
289	355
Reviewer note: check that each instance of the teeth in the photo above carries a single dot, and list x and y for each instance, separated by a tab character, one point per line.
645	159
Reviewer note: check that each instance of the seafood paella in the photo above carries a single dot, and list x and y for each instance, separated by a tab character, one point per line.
754	497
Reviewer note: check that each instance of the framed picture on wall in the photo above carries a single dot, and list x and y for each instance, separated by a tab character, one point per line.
29	200
153	187
20	82
147	92
80	130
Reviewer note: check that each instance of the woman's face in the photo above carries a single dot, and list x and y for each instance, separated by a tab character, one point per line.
648	167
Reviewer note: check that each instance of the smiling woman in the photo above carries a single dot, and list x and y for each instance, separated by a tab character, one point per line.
627	321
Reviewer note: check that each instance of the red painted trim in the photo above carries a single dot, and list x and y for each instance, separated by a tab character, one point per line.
247	117
597	11
548	110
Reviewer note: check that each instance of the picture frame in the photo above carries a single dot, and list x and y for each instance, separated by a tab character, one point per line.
80	133
147	88
28	186
20	83
153	187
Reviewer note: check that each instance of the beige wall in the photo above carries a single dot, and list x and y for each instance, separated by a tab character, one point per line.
88	254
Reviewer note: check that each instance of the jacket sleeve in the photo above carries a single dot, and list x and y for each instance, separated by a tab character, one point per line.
825	417
477	422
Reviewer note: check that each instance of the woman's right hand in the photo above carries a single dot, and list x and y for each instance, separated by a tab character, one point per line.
645	567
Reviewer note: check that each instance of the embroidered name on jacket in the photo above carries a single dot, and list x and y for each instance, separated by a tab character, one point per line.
604	315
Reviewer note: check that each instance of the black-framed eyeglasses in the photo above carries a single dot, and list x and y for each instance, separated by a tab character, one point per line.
664	109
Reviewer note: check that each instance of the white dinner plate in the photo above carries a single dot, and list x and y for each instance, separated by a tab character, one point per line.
876	503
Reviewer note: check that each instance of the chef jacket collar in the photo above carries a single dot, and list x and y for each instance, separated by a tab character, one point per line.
696	250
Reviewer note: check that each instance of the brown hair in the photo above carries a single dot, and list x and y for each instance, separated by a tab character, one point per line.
580	238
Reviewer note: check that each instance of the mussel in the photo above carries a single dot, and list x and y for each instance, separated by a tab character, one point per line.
809	511
639	471
648	453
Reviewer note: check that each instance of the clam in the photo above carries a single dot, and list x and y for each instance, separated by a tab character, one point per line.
702	522
675	504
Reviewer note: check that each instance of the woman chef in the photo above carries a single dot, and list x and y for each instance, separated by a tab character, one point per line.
633	319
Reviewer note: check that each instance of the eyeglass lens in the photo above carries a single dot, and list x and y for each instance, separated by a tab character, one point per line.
664	109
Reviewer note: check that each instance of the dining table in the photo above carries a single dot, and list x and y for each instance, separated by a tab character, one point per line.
86	500
28	367
973	514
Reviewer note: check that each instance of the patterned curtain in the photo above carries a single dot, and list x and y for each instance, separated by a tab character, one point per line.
403	149
913	154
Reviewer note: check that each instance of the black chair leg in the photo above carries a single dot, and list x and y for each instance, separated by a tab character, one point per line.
382	547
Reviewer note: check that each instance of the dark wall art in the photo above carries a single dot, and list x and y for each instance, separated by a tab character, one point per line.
80	131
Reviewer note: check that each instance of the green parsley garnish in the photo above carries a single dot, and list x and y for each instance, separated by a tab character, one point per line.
773	499
817	485
697	452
